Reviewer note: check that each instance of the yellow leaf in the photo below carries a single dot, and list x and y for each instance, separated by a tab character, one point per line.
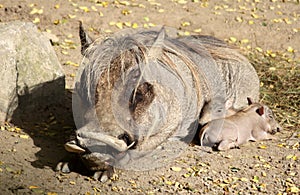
176	169
124	3
161	10
258	49
290	49
198	30
33	187
119	25
112	23
262	146
24	136
72	182
36	20
289	156
36	11
282	145
126	12
64	52
272	68
135	25
56	6
72	75
71	63
128	24
239	19
51	193
182	1
94	8
232	39
244	41
168	182
244	179
151	24
71	16
287	21
69	41
255	179
251	22
254	15
56	22
294	189
84	8
184	24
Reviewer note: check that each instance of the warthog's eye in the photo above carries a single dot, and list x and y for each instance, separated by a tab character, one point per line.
271	116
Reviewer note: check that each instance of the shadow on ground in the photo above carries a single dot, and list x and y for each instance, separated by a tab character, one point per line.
50	125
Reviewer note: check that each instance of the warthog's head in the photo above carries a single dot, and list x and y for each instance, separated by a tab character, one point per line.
270	124
216	110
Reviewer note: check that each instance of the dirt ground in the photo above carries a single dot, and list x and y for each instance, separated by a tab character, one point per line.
30	150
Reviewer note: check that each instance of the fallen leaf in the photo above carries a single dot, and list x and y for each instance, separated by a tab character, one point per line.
255	179
262	146
84	8
134	25
119	25
232	39
198	30
24	136
184	24
33	187
294	189
36	20
124	3
176	169
244	179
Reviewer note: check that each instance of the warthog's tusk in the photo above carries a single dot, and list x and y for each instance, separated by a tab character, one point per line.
130	145
116	143
72	147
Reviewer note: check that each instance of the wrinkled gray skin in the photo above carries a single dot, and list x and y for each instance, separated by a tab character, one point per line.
253	123
208	74
240	77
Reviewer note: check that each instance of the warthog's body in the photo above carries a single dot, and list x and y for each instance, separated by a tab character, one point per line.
255	122
139	95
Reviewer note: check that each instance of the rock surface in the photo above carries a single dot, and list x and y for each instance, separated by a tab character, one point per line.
30	70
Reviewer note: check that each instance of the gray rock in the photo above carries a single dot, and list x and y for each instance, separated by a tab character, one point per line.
30	71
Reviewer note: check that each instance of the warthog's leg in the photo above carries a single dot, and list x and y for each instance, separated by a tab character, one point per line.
263	135
227	144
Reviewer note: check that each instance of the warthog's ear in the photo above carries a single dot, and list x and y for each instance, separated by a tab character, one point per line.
260	110
250	101
85	39
157	47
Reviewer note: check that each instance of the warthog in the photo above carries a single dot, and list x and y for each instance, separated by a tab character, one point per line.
139	94
212	111
253	123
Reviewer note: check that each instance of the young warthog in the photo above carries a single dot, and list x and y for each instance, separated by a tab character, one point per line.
253	123
218	109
